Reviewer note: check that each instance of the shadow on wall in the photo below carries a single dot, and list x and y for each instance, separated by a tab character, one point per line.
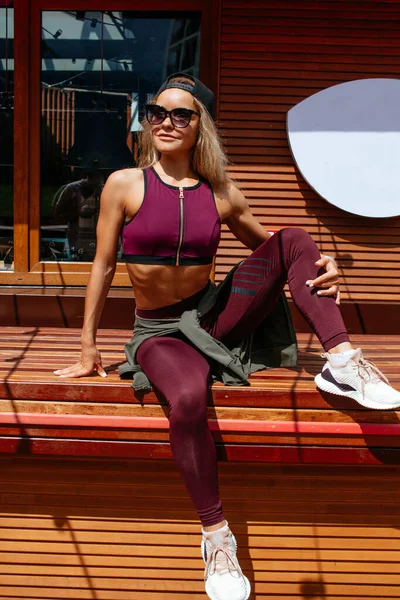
360	231
311	589
123	527
63	523
314	588
367	253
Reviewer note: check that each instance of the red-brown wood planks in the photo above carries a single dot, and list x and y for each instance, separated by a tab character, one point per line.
126	530
280	417
273	56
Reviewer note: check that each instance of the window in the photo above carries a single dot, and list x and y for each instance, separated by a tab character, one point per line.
97	69
72	84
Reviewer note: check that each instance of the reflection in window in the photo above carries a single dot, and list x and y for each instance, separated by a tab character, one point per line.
98	70
6	135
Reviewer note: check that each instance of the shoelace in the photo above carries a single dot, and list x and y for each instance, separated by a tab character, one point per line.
215	565
369	372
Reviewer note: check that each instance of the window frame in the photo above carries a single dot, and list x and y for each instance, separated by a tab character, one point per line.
28	268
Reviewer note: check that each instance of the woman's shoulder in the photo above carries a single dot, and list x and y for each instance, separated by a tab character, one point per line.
122	185
229	191
124	177
228	198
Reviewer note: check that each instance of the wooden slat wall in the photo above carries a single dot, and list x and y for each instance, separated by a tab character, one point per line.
273	55
125	530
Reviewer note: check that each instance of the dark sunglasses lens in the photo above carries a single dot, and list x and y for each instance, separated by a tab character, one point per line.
181	117
155	115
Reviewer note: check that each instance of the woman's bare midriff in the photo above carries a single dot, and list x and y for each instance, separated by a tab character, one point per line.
156	286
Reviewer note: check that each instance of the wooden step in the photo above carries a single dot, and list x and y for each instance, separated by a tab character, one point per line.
280	417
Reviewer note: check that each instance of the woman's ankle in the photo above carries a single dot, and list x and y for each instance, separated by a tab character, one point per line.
342	347
215	527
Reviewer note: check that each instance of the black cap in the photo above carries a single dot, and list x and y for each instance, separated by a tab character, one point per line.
199	90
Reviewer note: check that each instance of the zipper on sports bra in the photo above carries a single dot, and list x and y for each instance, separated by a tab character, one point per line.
181	199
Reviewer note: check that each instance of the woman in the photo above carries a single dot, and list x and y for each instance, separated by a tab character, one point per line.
171	212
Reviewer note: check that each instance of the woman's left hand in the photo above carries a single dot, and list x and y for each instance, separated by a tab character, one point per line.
329	281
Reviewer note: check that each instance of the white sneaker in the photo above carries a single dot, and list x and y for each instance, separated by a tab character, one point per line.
223	576
358	379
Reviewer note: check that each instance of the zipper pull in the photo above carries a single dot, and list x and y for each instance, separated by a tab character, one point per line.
181	199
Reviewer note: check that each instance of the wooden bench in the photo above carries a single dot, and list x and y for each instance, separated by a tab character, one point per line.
281	417
91	509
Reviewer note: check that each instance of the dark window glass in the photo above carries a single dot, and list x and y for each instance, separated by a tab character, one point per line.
189	54
98	70
6	135
174	61
178	30
193	26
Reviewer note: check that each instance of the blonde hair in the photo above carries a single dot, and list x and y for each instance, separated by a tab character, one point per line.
208	157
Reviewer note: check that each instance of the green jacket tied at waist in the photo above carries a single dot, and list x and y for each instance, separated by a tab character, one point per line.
272	344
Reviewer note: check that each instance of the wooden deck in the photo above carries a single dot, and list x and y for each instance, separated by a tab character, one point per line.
281	417
90	509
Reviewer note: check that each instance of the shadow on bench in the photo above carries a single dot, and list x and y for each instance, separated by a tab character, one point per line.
280	418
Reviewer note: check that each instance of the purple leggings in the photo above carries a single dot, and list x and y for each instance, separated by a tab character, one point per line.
182	375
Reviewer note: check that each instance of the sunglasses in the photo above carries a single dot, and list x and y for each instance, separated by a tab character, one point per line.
180	117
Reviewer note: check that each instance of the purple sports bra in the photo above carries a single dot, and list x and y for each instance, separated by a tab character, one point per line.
173	226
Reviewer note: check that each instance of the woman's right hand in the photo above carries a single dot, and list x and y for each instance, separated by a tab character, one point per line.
89	361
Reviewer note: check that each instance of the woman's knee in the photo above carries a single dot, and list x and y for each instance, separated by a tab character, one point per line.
189	404
295	235
180	374
298	242
285	239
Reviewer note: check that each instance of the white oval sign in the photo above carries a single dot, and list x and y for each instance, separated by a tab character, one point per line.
345	141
